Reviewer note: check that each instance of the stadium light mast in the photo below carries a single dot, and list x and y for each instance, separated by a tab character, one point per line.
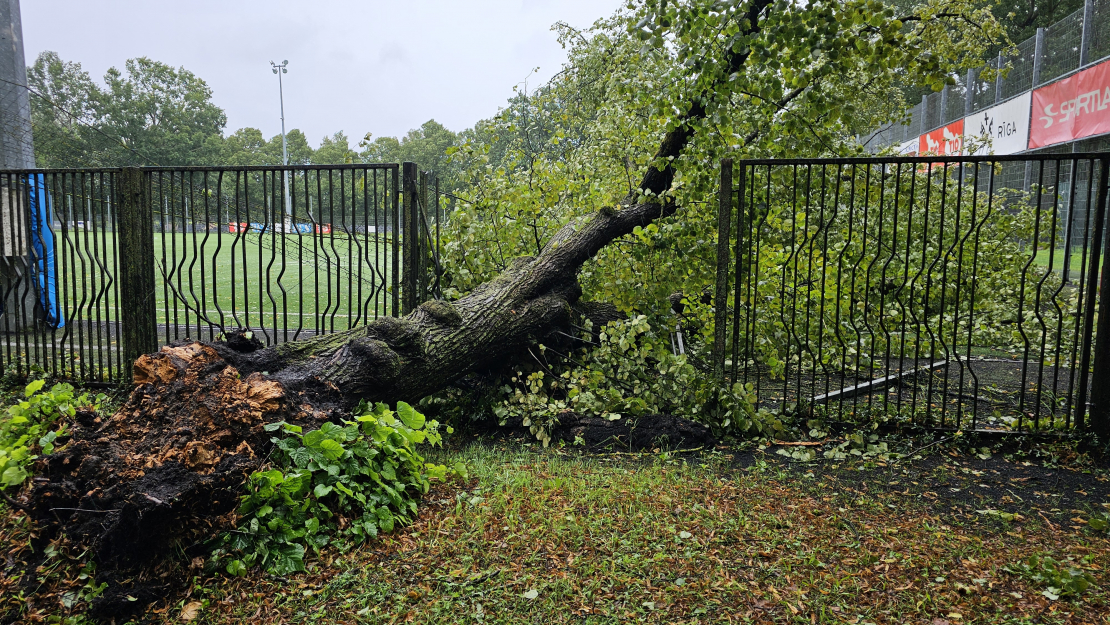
279	70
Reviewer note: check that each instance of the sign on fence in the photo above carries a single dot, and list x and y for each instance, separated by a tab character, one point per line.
944	141
1073	108
1006	126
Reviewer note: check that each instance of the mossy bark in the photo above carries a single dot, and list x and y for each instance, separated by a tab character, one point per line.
408	358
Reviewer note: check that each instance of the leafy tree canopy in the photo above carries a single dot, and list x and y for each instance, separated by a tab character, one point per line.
743	77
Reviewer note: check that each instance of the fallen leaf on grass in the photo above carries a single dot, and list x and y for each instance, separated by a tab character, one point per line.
190	611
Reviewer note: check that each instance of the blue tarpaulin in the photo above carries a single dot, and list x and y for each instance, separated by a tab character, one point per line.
42	252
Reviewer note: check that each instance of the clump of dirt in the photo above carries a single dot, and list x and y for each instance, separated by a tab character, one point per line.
161	474
243	341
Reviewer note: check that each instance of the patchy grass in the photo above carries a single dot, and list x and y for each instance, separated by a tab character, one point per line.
549	538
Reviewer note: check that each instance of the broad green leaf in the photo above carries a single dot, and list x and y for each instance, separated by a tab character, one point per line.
331	449
409	416
34	387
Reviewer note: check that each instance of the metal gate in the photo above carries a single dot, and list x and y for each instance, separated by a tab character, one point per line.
946	292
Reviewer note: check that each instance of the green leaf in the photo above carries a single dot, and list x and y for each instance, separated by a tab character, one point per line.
13	476
313	438
331	449
321	491
34	387
409	416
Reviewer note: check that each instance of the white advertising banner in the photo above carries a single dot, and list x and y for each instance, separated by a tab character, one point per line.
909	148
1002	129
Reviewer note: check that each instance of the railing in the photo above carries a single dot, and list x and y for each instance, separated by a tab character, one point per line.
99	266
932	291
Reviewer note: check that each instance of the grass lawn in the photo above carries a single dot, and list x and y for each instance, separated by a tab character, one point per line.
548	537
1076	261
314	281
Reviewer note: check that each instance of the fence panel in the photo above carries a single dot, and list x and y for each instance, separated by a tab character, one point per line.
286	253
59	287
949	293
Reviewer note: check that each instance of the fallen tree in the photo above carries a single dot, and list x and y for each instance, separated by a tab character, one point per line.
165	471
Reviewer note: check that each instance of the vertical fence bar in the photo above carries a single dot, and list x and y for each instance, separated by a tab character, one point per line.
422	237
720	301
136	243
409	237
1100	377
393	215
741	270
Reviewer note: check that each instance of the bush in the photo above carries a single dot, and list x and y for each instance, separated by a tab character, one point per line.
355	480
32	426
630	372
1061	579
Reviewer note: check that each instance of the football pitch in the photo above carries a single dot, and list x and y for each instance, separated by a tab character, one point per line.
317	283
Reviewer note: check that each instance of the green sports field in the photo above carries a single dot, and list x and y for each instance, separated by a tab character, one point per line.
322	282
1075	263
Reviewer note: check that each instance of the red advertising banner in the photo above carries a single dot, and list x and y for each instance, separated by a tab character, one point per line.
1073	108
944	141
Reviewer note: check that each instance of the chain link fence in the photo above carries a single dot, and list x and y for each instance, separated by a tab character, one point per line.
1025	68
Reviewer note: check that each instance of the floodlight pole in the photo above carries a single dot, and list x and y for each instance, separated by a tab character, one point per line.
279	70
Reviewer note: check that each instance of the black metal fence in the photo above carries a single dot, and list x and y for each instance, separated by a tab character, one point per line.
946	292
99	266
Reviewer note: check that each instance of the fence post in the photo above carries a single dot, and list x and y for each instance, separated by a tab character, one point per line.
998	79
1100	376
1038	52
409	238
969	93
943	116
720	299
424	248
924	114
136	256
1085	36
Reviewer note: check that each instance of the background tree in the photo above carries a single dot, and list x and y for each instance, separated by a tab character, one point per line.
168	112
151	114
64	110
334	150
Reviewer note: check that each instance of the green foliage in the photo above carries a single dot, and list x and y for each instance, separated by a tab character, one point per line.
355	480
941	260
428	146
148	114
814	74
629	372
1061	579
31	427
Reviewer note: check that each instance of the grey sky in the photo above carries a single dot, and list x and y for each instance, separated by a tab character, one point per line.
357	66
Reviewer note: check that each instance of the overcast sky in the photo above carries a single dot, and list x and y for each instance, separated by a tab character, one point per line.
356	66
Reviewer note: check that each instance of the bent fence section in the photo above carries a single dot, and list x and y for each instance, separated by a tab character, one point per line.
947	292
101	265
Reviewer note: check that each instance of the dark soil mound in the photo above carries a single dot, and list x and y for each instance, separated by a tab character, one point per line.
163	473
